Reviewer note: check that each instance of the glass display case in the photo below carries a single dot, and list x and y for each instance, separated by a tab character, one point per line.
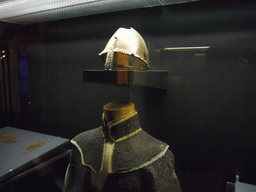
198	95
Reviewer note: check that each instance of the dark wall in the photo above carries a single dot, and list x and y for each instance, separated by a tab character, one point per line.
206	115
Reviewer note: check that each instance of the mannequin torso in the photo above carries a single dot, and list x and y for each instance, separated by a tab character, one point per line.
120	156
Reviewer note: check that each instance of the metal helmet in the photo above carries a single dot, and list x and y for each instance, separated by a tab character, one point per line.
126	42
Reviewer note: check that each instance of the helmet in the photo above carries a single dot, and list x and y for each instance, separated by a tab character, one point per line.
126	43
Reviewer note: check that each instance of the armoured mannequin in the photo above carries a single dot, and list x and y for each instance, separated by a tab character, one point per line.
126	42
120	156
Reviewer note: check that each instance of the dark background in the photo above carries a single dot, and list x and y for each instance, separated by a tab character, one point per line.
206	115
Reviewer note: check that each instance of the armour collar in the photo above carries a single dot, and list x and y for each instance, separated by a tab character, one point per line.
123	127
133	147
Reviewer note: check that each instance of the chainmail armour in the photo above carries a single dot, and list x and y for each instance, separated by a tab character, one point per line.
139	161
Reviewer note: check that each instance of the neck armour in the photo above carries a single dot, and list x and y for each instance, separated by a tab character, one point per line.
133	147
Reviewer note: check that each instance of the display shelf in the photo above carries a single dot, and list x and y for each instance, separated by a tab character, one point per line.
61	153
240	187
149	78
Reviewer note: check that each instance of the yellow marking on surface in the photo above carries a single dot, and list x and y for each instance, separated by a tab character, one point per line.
33	146
5	138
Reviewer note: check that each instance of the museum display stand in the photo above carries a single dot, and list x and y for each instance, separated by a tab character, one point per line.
148	78
24	152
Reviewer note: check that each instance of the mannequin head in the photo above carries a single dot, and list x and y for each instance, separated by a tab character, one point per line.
115	110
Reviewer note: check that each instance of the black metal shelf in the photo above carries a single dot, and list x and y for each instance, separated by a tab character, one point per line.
149	78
